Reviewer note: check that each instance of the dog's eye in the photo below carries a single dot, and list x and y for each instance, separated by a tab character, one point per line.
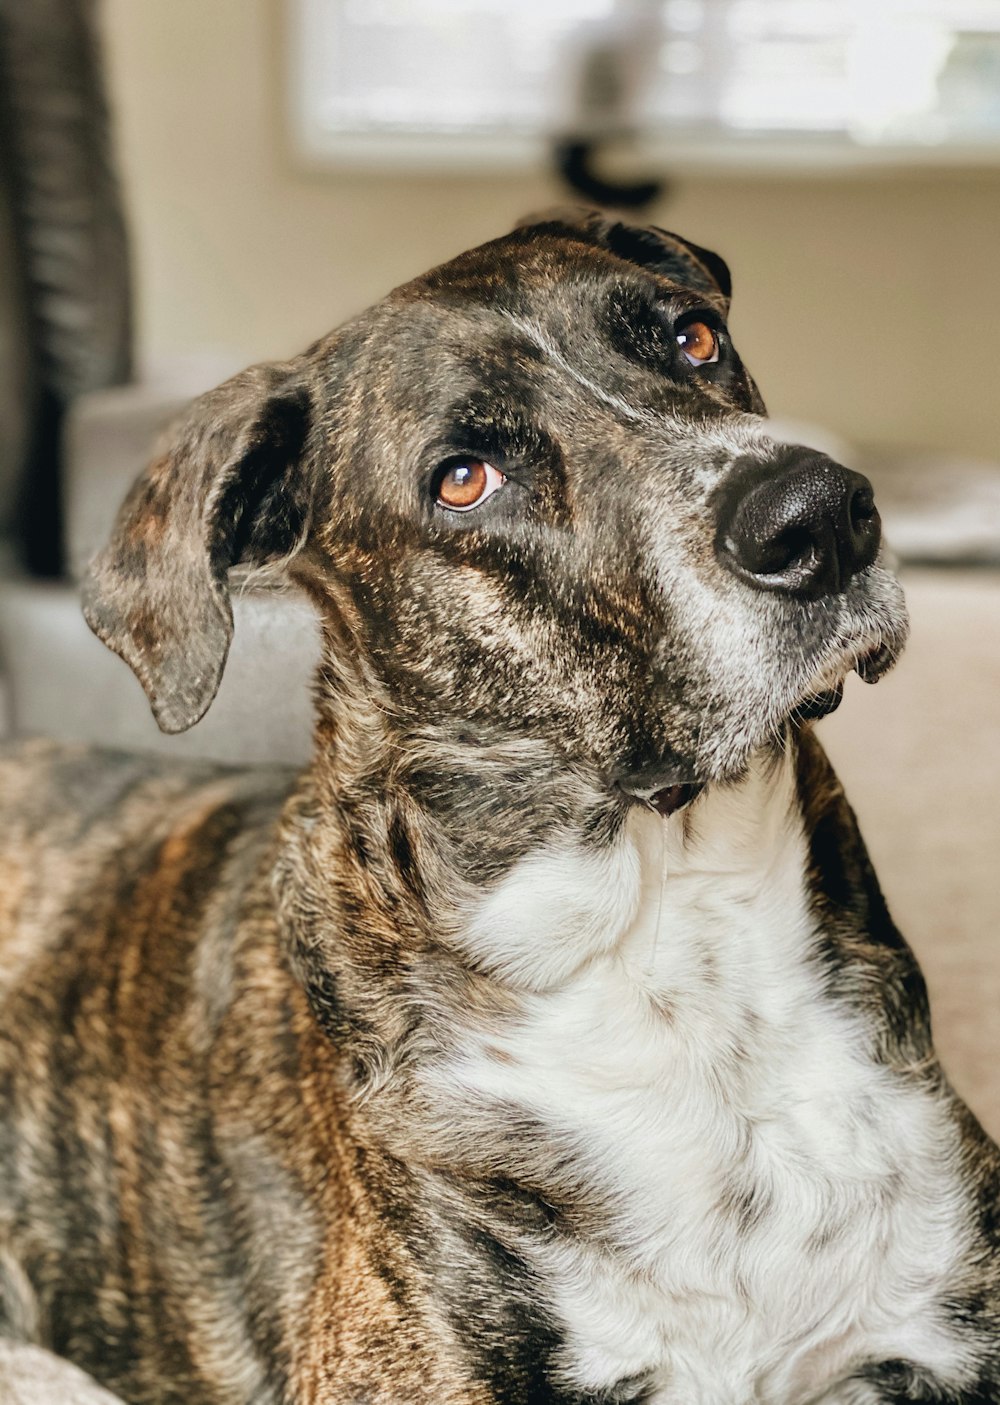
699	343
466	483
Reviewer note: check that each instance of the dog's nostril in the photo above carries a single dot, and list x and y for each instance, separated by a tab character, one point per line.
793	546
862	507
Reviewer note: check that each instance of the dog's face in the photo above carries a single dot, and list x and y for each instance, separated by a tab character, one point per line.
536	489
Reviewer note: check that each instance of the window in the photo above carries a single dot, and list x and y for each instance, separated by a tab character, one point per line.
446	82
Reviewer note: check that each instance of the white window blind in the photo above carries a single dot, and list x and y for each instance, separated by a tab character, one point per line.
447	80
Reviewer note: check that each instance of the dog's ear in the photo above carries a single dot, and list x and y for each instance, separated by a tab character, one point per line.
644	245
231	486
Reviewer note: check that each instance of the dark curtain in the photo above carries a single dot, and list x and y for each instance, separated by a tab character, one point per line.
64	264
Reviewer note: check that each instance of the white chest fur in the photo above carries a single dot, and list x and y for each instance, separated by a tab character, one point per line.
781	1207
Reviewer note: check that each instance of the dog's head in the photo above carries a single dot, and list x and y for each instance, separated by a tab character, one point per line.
536	490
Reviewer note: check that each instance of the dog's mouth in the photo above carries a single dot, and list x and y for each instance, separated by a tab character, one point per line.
656	792
875	664
819	704
672	798
870	665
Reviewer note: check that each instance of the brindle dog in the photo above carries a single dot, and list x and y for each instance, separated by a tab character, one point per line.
548	1039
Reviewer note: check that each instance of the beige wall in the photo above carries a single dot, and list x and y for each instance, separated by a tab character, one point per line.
871	304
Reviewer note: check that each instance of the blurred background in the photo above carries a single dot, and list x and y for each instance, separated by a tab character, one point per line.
186	187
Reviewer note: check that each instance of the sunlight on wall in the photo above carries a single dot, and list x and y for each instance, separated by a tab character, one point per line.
868	303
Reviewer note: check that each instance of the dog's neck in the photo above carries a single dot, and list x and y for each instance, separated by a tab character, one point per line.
479	874
648	890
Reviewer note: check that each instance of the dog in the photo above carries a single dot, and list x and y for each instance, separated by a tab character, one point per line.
548	1040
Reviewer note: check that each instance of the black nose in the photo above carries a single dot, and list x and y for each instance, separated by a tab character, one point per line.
803	526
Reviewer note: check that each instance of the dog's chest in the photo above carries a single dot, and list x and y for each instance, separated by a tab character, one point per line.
769	1206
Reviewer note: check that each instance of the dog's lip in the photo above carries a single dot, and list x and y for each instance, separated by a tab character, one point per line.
819	704
672	798
667	799
875	663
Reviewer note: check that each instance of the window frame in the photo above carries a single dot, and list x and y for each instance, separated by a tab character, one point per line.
317	146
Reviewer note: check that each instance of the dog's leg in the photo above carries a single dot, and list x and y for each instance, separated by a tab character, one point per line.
30	1375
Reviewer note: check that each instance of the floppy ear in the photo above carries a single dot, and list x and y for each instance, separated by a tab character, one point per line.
232	485
644	245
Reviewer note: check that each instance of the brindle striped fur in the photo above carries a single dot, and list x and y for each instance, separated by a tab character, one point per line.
228	1172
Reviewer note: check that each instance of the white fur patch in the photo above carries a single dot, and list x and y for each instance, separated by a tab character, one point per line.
783	1208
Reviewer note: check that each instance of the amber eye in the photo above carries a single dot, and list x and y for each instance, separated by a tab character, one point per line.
699	343
466	483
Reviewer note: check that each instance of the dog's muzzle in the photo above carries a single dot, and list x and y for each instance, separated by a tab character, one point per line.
802	526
